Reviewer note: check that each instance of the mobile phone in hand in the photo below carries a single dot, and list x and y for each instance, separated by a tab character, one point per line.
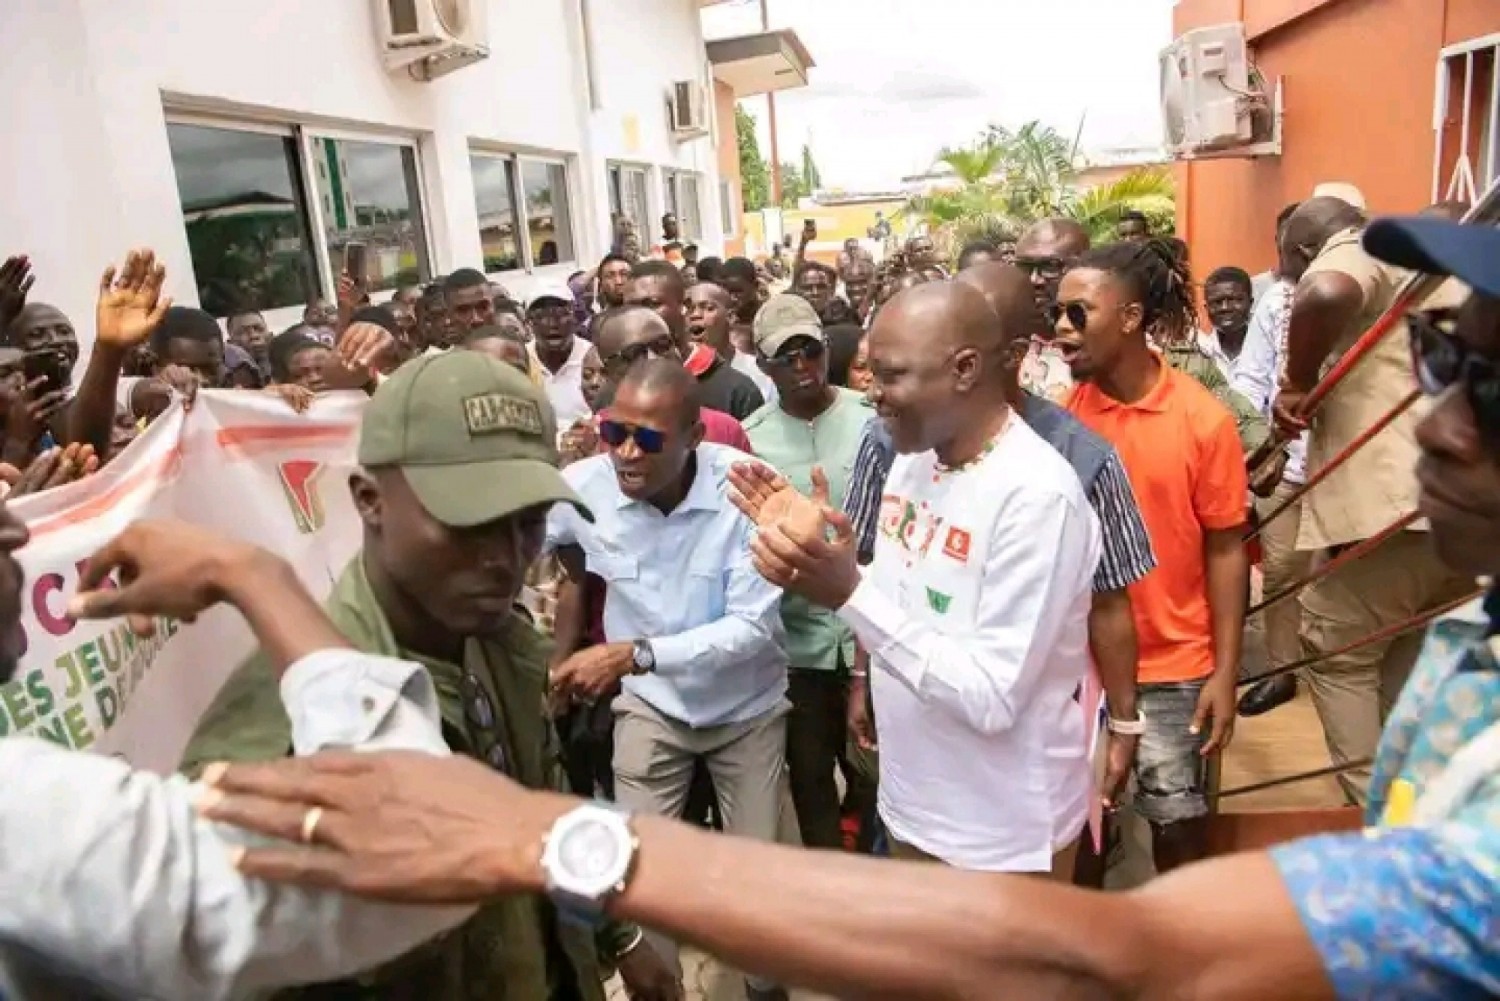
809	229
356	259
46	365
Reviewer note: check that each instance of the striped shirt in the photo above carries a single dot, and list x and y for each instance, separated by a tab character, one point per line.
1126	556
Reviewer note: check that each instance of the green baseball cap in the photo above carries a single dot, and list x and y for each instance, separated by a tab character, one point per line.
475	438
782	318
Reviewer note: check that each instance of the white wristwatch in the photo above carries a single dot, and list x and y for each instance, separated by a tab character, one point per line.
587	858
1128	728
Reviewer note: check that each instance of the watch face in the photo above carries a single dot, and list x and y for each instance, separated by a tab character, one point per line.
591	852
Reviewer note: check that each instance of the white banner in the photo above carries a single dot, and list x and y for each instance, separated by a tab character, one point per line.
242	464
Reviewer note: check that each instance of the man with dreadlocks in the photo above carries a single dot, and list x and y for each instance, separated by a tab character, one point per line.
1183	458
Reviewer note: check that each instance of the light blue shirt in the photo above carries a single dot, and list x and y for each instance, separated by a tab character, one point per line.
685	582
1256	373
112	886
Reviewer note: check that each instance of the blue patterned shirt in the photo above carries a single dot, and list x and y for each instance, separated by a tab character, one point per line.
1410	908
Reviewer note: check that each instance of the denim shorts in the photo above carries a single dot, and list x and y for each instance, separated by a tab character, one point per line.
1171	775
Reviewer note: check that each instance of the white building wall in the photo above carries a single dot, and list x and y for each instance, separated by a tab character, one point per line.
88	173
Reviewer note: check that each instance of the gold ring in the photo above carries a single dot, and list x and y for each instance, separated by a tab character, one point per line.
310	821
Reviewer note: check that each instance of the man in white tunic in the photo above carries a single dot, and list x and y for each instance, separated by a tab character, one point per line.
975	610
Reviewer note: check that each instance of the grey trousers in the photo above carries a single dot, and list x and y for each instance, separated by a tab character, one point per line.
654	757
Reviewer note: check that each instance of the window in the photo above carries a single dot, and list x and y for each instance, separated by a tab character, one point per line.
548	221
247	222
681	190
1467	160
250	194
627	201
727	214
494	198
369	193
501	183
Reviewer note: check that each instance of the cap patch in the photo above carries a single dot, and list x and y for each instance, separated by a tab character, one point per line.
493	413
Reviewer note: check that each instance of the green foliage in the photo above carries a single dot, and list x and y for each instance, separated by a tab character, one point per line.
755	176
810	174
793	185
1005	180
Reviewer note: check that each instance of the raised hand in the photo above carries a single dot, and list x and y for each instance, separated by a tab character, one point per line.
16	280
131	305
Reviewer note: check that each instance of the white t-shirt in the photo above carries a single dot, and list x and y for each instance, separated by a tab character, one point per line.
565	386
975	613
744	362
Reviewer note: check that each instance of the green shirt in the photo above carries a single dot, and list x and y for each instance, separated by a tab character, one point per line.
1189	359
514	949
815	638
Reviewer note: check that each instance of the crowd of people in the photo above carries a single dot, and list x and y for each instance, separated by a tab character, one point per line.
823	561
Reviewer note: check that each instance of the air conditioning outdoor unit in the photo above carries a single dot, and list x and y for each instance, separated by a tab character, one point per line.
688	110
1213	101
432	38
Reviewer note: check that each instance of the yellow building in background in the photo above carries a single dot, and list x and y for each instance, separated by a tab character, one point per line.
837	220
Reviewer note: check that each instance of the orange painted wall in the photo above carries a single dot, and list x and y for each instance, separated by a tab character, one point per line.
1358	78
729	162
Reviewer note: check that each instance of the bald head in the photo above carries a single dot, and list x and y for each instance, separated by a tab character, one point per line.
664	387
941	315
1057	237
1319	218
618	328
1007	291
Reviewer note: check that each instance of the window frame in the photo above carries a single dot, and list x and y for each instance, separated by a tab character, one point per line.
303	133
729	216
307	134
517	181
674	197
619	168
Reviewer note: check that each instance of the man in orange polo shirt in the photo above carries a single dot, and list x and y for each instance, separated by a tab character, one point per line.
1183	457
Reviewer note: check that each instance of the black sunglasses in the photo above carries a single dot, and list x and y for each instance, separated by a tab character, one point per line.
1047	267
648	440
1078	317
1442	359
810	351
632	353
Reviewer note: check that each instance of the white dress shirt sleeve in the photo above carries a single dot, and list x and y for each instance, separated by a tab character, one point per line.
108	871
1042	555
750	623
1254	373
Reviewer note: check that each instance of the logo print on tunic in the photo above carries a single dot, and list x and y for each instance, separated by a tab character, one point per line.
956	546
938	601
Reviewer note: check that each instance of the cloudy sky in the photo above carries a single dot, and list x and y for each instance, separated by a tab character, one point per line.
896	80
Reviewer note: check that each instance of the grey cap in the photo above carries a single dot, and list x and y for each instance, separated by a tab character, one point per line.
782	318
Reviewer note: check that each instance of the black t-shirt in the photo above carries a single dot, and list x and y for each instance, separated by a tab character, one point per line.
724	388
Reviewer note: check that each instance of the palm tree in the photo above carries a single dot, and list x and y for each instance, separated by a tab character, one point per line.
1007	180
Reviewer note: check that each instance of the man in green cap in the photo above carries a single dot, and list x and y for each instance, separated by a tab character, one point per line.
458	470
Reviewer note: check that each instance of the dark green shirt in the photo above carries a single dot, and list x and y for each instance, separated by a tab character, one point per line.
514	949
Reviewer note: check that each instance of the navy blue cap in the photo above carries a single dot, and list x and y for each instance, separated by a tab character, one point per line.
1469	252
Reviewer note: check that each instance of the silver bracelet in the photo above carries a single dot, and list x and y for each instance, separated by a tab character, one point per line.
1128	727
640	936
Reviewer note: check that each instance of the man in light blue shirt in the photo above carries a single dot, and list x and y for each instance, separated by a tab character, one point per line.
692	632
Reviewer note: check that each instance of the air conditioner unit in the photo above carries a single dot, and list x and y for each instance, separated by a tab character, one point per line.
432	38
688	110
1212	100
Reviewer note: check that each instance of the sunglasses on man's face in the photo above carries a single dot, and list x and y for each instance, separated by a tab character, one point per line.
1440	359
809	350
1078	317
1047	267
627	356
648	440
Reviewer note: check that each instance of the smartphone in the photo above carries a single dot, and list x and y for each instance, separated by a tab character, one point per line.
356	259
47	365
809	229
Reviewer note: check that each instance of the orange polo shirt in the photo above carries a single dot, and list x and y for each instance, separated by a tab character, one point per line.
1182	455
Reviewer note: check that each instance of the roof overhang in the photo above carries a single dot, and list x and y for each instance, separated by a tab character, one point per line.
761	63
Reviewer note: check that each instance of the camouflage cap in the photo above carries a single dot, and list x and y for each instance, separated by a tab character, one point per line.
475	439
